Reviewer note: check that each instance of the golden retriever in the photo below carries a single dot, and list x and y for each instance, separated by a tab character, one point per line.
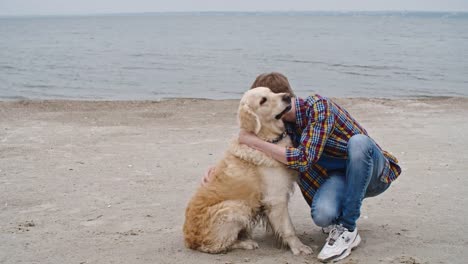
248	186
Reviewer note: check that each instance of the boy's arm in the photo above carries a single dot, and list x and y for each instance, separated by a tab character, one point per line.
313	138
312	143
275	151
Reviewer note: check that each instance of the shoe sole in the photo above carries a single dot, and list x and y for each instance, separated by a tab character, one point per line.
355	243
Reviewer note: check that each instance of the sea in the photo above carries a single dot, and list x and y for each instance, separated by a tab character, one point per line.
217	55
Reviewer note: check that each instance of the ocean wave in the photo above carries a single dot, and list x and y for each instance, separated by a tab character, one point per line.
165	93
343	65
136	68
151	68
145	54
40	86
7	67
418	77
233	93
13	97
363	74
421	78
370	67
303	61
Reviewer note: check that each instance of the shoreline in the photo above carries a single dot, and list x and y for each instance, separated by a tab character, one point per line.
225	104
20	100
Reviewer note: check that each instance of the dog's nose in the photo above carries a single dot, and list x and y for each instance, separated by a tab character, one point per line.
287	98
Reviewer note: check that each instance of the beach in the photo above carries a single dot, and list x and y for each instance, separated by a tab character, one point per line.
108	181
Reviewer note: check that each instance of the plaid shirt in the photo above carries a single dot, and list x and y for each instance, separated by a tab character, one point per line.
324	127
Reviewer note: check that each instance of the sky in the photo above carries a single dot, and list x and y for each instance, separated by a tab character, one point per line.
67	7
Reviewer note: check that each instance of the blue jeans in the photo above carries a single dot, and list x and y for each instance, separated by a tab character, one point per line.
339	199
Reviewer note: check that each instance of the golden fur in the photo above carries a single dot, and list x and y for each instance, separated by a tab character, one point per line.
247	186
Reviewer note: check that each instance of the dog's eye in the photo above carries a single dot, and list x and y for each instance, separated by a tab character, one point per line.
264	99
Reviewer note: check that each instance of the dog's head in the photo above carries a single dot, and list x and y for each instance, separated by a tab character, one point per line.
260	108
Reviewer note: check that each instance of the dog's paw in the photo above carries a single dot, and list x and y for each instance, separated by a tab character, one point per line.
301	249
246	244
250	244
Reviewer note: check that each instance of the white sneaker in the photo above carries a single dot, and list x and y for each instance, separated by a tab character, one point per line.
339	244
328	229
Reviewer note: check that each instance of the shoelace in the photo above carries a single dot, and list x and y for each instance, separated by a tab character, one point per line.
335	233
328	229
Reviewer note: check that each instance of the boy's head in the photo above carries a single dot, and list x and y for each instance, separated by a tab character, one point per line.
277	82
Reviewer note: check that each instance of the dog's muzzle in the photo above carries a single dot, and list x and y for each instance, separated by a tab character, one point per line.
278	116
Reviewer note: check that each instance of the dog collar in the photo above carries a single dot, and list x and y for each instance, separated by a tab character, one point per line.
278	139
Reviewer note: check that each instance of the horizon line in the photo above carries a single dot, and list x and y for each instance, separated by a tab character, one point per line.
233	11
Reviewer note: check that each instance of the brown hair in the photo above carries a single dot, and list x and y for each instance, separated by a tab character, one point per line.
277	82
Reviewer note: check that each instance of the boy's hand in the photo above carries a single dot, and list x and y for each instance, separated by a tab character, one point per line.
209	174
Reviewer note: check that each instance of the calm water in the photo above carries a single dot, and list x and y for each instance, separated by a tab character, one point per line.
215	55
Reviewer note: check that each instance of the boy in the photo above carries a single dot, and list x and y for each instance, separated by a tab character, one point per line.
339	163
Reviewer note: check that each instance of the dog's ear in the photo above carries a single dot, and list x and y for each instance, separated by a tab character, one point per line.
248	120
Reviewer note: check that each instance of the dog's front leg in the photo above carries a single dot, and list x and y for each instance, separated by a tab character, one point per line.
278	216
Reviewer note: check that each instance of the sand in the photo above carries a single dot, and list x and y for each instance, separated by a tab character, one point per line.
108	182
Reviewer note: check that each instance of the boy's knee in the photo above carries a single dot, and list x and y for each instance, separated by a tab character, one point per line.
359	144
324	216
359	139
